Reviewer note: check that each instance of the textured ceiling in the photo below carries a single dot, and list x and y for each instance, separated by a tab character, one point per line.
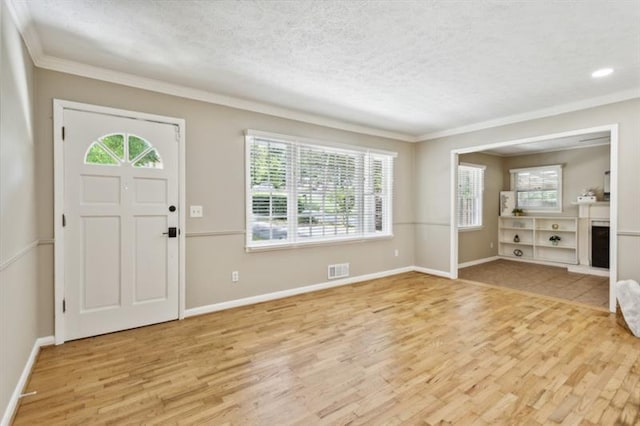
412	67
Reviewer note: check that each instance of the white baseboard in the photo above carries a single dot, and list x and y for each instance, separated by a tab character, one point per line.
538	262
292	292
583	269
22	381
429	271
477	262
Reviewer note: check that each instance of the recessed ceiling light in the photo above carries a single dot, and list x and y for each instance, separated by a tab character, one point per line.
603	72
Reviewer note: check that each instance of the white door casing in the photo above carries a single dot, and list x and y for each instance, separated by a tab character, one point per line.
121	173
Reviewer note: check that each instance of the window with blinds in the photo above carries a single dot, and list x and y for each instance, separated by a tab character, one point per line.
469	197
303	192
538	188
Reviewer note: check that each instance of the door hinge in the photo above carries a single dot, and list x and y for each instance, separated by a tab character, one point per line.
62	132
177	133
64	220
64	305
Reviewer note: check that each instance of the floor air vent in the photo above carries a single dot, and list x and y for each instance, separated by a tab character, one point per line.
339	270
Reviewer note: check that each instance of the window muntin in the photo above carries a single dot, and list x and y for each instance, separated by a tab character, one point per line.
301	192
538	188
469	195
110	150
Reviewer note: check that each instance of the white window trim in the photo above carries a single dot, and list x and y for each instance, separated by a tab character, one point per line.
512	172
251	246
481	225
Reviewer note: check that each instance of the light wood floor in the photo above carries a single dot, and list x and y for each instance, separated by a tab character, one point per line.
541	279
409	349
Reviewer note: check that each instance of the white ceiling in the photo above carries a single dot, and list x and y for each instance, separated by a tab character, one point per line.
549	145
414	68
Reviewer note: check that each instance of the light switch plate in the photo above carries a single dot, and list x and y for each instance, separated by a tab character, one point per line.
195	211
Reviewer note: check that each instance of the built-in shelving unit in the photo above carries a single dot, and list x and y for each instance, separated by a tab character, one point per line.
533	235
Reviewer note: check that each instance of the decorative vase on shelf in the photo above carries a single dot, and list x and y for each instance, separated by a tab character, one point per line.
516	239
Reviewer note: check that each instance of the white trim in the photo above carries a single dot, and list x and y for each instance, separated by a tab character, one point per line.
613	219
629	233
536	261
22	381
21	253
435	272
613	253
565	148
58	209
300	140
470	228
453	221
293	292
316	243
21	15
58	177
477	166
624	95
477	262
158	86
559	135
583	269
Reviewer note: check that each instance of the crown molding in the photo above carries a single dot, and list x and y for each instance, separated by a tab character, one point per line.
20	13
131	80
533	115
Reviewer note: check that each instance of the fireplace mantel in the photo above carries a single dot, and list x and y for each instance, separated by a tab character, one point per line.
587	214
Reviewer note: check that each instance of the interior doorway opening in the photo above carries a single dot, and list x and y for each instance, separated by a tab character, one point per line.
572	223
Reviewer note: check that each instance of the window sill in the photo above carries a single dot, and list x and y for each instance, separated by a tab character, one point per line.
309	244
471	228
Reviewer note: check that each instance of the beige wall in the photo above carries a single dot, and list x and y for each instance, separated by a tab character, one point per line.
215	180
476	244
432	184
18	252
582	169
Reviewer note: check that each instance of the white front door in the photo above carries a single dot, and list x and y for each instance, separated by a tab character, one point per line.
121	256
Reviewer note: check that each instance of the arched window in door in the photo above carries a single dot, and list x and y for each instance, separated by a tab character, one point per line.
111	150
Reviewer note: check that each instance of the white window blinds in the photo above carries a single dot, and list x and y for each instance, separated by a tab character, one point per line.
300	192
470	191
538	188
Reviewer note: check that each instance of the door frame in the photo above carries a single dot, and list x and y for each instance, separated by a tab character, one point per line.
613	206
59	106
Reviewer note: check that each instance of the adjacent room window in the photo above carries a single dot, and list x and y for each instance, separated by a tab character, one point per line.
305	192
538	188
470	191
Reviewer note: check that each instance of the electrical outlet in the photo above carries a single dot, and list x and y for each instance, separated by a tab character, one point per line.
235	276
396	252
195	211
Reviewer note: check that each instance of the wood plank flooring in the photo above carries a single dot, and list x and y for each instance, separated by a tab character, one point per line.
408	349
547	280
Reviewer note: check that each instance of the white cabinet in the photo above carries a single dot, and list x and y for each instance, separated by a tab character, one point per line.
531	236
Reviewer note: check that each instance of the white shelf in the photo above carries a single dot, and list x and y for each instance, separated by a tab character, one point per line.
534	238
558	246
521	243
